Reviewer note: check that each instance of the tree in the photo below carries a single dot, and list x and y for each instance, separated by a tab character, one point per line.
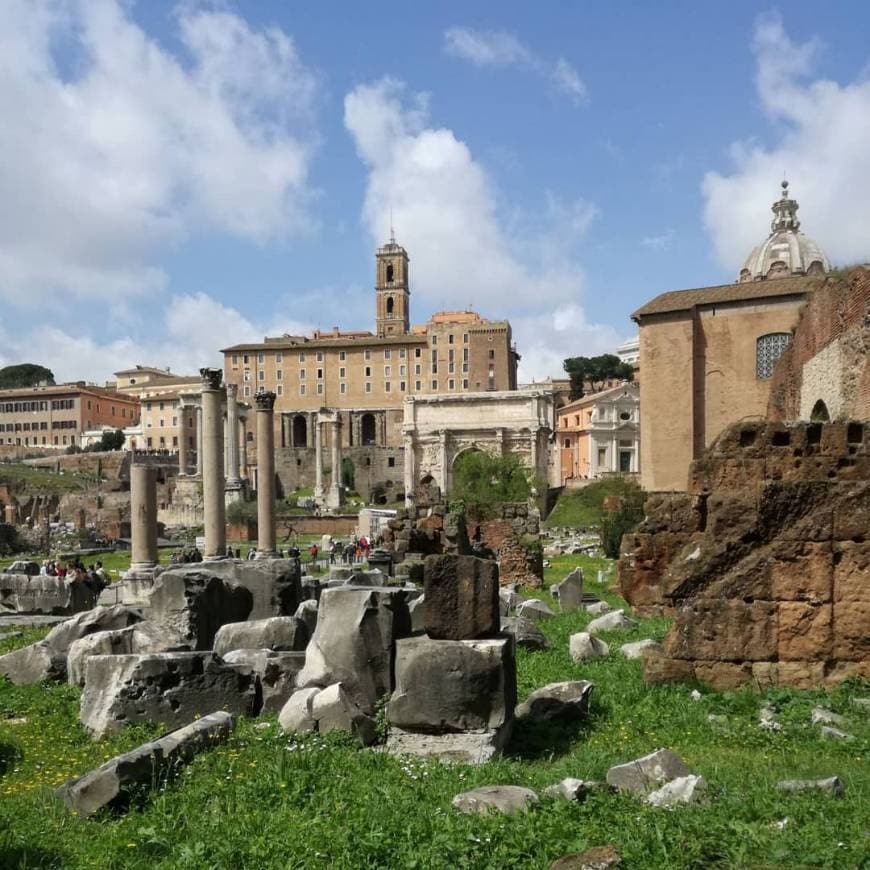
24	375
481	481
622	520
595	371
111	439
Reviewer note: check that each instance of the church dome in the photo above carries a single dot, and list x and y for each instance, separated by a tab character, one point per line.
786	251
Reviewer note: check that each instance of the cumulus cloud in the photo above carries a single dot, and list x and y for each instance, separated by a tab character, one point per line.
496	48
193	329
822	131
463	250
114	147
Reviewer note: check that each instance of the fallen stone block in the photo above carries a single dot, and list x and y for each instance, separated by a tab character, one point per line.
461	597
597	858
276	671
307	613
310	587
833	785
566	702
599	608
417	609
524	632
583	647
569	592
277	632
636	650
613	621
296	715
142	637
23	593
569	789
495	798
112	784
535	609
168	688
829	733
371	577
689	789
821	716
333	709
459	747
33	664
353	642
644	775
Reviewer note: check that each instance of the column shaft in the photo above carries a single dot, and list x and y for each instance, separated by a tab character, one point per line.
410	473
143	517
265	402
213	464
318	459
233	476
243	448
198	418
182	440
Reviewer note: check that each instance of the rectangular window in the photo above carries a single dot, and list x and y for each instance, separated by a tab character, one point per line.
418	352
320	356
435	386
465	338
342	355
246	376
279	375
388	371
301	389
368	371
279	390
451	368
235	359
451	384
391	462
465	383
403	370
401	386
342	388
434	340
320	389
302	356
418	369
491	353
368	386
450	338
279	357
386	386
401	353
320	374
261	358
434	362
175	421
261	375
247	391
342	372
418	385
301	374
387	353
465	367
465	354
367	354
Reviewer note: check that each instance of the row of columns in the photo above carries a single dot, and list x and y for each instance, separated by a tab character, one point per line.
333	496
210	433
235	439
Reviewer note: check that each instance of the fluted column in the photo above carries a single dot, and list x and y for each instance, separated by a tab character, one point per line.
199	439
213	464
265	402
143	518
334	497
318	459
243	447
233	477
182	440
442	455
410	472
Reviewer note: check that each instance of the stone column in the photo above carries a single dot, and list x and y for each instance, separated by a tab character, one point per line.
234	480
318	459
143	519
199	438
265	401
334	499
410	472
213	464
182	440
442	458
243	447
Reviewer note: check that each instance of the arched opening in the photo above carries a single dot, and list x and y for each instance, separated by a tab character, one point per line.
389	305
300	431
368	430
820	414
389	273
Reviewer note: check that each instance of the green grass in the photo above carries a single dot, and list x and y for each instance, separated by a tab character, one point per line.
39	480
266	800
582	508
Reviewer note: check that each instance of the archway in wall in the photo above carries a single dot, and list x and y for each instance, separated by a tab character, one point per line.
299	435
368	430
820	414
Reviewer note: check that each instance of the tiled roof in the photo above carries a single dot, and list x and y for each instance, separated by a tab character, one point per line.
683	300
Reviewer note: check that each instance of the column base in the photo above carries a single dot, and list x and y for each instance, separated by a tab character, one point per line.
234	491
265	554
335	497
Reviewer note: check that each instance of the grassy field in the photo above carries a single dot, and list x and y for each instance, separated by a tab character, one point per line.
582	508
266	800
39	480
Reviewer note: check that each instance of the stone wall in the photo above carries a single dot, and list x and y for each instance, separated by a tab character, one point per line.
514	539
827	359
765	565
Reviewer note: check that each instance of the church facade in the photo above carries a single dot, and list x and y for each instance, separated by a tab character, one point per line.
708	354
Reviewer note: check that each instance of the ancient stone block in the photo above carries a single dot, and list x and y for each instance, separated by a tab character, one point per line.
276	671
296	715
723	675
851	630
800	675
169	688
495	798
659	668
565	702
569	592
805	632
736	631
461	595
22	593
333	709
524	632
852	572
644	775
277	632
534	609
804	574
354	640
113	784
583	646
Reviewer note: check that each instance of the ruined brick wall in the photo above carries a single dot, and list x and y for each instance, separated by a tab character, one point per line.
513	537
766	565
827	359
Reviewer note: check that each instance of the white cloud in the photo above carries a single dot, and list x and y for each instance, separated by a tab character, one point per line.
487	48
193	329
823	146
115	148
660	242
463	251
496	48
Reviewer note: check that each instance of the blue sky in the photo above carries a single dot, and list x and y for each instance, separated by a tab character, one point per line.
182	176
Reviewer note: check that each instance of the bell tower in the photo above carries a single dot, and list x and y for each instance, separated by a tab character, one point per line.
392	296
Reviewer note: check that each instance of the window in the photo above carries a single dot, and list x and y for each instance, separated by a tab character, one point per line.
261	358
386	386
418	385
387	371
247	391
465	383
301	374
434	362
261	375
418	369
434	340
279	375
403	370
246	376
320	374
418	352
368	386
342	388
320	389
279	357
387	353
246	359
391	462
450	338
367	354
175	421
389	303
279	390
302	356
401	386
301	389
342	355
602	456
768	349
491	353
320	356
368	371
465	339
567	442
342	372
435	386
401	353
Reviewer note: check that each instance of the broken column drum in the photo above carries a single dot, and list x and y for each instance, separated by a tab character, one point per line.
212	464
143	518
265	402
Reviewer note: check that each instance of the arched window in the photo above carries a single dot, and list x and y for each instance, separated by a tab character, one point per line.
389	273
368	429
300	431
820	414
389	305
768	349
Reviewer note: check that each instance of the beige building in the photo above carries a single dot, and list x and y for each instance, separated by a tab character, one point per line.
58	416
707	355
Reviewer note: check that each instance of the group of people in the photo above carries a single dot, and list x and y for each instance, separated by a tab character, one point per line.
93	578
349	552
185	556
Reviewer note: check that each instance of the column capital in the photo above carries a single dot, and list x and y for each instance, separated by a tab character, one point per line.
232	391
211	378
264	400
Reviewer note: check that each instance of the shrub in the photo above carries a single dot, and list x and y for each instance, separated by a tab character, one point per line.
482	481
622	520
